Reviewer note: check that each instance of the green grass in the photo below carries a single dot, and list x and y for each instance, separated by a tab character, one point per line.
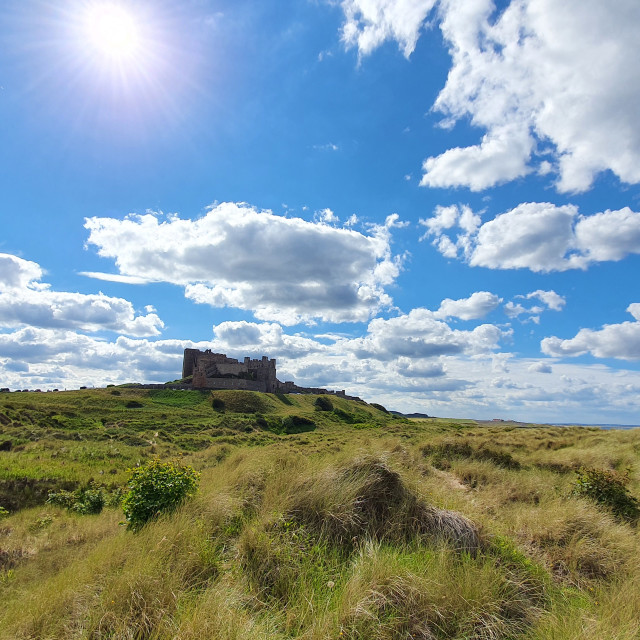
369	526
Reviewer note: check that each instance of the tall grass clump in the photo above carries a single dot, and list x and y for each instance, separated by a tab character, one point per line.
433	594
445	452
366	499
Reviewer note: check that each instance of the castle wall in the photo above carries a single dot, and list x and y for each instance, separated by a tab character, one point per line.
233	368
206	369
194	358
292	387
234	383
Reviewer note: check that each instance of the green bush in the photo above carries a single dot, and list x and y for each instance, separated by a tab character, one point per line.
86	500
114	499
155	488
297	424
345	416
3	513
217	404
379	407
608	489
90	501
323	403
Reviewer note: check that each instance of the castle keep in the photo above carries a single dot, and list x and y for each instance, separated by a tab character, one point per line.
215	371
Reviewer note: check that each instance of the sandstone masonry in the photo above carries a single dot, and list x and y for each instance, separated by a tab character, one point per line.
215	371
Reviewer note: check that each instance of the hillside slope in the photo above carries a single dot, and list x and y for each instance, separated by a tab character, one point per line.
360	525
62	439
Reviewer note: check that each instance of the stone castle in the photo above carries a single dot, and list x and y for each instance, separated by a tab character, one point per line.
209	370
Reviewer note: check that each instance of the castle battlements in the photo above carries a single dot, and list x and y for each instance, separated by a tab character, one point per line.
210	370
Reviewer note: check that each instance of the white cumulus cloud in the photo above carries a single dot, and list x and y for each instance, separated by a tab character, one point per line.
540	367
26	301
549	299
539	236
284	269
419	334
477	305
620	341
550	84
369	23
17	273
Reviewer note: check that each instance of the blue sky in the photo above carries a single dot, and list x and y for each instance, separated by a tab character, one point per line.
432	204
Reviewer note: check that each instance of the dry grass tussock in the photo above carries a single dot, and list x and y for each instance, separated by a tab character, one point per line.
349	550
433	594
366	499
579	543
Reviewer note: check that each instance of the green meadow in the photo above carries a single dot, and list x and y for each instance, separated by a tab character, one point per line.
313	520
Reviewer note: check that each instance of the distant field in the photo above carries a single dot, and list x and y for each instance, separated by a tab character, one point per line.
338	521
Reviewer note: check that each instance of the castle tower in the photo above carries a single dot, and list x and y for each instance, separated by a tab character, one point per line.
190	361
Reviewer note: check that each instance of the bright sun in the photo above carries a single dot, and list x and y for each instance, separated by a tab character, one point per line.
112	31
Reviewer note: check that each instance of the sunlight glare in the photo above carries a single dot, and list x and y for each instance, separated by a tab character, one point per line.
112	31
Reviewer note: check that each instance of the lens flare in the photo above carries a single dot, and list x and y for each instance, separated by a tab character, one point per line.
112	31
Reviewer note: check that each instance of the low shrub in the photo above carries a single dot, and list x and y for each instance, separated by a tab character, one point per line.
88	500
269	423
114	499
499	458
323	403
155	488
379	407
193	442
608	489
297	424
217	404
133	404
344	416
444	452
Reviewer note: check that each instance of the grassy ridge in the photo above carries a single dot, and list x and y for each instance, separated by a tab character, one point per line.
65	439
366	526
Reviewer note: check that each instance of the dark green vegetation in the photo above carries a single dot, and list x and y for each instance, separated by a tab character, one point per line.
312	520
157	488
609	489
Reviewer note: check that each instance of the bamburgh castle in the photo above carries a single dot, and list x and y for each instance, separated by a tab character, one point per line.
215	371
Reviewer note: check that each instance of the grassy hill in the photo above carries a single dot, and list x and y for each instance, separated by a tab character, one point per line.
62	439
346	522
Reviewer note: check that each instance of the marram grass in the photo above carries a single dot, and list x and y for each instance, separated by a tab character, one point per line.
381	529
